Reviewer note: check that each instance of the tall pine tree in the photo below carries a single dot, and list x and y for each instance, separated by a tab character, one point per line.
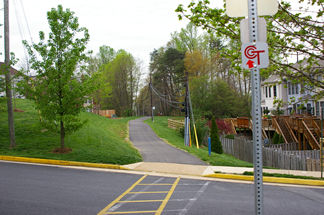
216	145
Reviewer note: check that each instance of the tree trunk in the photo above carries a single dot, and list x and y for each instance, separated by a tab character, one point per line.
8	78
62	135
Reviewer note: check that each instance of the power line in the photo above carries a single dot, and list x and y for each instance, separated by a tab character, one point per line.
26	20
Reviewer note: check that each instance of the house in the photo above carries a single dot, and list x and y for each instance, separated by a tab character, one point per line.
15	80
297	97
273	88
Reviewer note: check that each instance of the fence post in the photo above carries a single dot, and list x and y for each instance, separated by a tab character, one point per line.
209	146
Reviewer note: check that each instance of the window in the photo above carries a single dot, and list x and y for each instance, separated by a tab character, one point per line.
269	92
266	91
289	88
317	109
297	90
322	109
275	90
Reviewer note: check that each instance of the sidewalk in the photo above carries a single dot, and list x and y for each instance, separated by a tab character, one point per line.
200	170
225	172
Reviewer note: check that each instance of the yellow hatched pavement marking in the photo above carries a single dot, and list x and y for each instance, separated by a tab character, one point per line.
167	198
156	184
132	201
131	212
104	211
150	192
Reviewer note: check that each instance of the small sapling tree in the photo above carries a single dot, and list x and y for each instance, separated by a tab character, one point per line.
58	89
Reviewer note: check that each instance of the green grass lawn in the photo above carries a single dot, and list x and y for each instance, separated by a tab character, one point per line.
284	175
160	127
101	140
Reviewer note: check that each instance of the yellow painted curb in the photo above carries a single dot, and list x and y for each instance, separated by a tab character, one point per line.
61	162
269	179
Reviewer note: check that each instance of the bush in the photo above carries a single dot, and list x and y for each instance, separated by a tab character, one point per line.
277	139
216	145
202	132
230	136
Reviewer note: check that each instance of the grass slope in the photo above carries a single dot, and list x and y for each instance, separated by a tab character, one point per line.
160	127
101	140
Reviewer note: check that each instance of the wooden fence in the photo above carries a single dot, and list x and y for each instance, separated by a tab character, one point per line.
105	113
175	124
273	156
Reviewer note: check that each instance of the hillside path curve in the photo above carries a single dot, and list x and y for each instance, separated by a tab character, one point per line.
153	149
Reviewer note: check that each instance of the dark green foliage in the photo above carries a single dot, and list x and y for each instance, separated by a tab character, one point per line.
277	139
283	175
202	132
216	145
167	69
230	136
217	98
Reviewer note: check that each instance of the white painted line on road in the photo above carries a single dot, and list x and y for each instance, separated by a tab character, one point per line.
190	203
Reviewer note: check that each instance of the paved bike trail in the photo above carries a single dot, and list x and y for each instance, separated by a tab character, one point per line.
153	149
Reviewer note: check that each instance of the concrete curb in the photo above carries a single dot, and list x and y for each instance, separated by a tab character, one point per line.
61	162
295	181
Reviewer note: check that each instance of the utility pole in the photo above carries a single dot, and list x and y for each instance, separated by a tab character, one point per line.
8	76
151	97
187	112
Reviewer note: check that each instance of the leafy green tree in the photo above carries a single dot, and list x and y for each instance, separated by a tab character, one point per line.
289	31
60	88
122	75
216	145
167	69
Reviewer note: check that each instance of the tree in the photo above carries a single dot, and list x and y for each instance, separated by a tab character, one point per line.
167	68
58	89
122	75
289	32
216	145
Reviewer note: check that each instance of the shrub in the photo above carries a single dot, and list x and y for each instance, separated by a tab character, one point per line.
202	131
216	145
277	139
230	136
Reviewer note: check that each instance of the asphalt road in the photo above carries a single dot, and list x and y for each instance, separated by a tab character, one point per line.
33	189
153	149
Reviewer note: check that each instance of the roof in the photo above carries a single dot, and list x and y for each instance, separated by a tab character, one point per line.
13	71
272	79
303	63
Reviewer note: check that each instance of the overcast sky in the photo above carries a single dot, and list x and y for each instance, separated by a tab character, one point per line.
138	26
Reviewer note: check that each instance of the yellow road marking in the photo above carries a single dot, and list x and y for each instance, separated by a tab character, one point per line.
151	192
130	212
130	201
167	198
103	211
156	184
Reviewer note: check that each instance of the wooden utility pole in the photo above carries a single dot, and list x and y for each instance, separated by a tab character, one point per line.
8	76
151	97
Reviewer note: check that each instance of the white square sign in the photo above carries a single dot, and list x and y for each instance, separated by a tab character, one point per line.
255	55
239	8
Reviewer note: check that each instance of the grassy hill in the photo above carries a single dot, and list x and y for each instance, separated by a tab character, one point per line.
101	140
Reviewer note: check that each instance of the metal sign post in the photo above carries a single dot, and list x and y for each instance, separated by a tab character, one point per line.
322	141
256	114
254	57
